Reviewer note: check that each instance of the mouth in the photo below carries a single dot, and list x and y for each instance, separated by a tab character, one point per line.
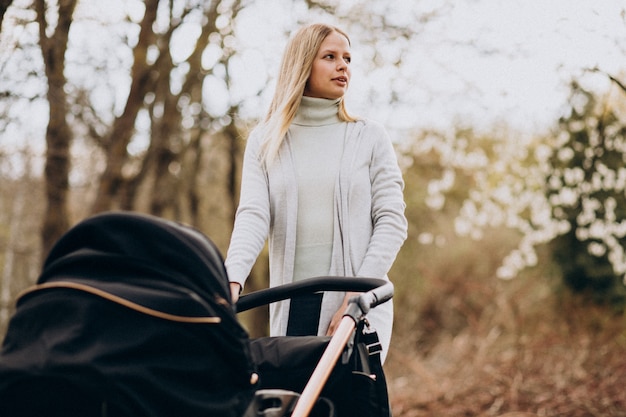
342	79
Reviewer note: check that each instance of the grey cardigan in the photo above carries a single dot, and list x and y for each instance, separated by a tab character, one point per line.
369	226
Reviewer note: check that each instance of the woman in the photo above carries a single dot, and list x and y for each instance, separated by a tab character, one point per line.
324	186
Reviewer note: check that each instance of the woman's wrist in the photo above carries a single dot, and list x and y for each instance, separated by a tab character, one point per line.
235	290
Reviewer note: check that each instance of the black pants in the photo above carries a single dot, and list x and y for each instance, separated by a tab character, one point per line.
304	315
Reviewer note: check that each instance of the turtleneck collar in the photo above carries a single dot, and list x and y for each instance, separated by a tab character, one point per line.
317	112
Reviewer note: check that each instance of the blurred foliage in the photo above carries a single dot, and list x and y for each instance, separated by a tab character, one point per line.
586	189
436	269
565	189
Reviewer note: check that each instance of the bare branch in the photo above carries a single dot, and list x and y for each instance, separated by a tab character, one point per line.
614	79
123	127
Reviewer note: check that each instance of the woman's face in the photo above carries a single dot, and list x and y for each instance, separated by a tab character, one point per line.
330	73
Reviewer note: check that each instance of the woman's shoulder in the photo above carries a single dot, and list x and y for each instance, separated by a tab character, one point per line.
255	132
255	136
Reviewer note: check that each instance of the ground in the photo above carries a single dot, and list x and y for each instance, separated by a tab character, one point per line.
521	354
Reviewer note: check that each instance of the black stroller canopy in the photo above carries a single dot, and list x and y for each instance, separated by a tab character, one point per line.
131	312
113	250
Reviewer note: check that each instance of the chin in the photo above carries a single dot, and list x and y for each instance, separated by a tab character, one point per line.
335	96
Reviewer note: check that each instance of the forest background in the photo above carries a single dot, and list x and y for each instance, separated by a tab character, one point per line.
509	120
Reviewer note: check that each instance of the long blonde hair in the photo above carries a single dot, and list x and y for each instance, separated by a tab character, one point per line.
295	70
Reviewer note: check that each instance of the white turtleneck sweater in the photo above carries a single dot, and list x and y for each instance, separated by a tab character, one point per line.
317	137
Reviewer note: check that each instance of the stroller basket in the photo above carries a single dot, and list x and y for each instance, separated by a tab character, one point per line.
131	316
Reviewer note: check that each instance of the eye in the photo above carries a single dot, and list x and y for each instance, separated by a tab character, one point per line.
348	59
329	56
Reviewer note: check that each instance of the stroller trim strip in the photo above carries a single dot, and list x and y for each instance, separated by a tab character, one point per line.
120	301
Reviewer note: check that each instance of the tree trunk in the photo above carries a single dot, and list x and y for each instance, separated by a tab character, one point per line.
58	132
166	147
123	128
171	142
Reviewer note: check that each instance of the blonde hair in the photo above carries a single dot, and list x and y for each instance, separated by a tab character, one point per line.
295	70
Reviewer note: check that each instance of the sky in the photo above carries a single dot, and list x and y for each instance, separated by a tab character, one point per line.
511	60
538	46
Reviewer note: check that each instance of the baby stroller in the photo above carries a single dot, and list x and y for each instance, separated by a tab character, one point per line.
132	317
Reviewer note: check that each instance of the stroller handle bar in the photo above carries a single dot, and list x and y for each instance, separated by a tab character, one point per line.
375	297
377	291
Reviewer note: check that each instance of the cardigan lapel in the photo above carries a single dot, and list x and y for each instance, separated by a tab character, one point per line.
288	172
341	260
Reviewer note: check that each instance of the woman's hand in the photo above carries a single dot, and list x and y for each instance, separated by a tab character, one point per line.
334	322
235	289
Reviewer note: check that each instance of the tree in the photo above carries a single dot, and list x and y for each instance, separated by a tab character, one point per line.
586	189
169	140
58	133
564	192
156	89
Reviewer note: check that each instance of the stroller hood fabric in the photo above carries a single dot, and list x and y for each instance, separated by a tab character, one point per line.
134	312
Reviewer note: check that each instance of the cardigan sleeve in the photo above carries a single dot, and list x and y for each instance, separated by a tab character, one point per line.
252	218
387	209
